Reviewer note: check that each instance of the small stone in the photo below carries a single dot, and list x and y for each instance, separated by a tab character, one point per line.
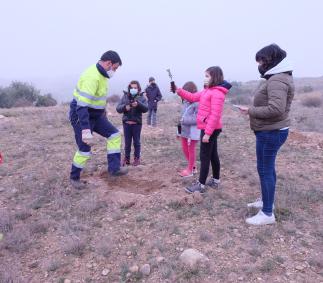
299	267
160	259
105	272
134	269
192	257
67	281
128	253
145	269
89	265
1	236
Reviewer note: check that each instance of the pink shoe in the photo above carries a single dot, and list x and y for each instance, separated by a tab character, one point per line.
186	173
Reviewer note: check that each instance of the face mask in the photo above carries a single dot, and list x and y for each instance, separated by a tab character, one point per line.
133	91
110	73
206	81
261	69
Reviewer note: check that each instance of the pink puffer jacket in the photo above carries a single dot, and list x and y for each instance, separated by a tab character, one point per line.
210	109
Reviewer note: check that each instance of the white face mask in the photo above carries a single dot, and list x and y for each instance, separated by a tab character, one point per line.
110	73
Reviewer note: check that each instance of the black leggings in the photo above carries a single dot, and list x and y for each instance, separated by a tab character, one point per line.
209	152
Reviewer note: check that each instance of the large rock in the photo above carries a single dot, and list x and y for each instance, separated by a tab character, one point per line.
192	258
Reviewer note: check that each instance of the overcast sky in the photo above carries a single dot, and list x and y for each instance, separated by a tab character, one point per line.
56	40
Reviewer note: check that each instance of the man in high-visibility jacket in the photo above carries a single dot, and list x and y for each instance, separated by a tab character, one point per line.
87	115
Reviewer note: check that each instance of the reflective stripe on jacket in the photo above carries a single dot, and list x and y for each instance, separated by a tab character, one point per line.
91	89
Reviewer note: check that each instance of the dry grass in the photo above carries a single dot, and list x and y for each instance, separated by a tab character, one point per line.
48	227
312	101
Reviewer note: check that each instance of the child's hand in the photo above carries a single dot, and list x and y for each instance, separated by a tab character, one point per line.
206	138
128	107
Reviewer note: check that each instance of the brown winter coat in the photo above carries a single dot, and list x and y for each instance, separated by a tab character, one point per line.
272	102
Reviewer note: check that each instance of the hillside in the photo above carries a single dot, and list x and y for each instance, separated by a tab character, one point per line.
52	233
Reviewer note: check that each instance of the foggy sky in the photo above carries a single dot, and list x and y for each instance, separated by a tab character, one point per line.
54	41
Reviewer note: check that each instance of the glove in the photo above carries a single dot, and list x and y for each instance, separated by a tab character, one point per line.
87	137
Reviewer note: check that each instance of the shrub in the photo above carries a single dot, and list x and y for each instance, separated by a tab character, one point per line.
46	100
241	100
74	247
18	92
306	89
21	94
312	101
113	99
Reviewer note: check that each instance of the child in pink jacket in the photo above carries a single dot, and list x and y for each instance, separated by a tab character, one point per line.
211	101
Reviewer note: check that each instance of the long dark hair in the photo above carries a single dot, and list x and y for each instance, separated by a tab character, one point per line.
270	56
132	83
216	76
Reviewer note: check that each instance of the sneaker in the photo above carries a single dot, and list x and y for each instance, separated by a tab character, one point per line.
261	219
257	204
196	187
213	183
78	184
126	161
122	171
186	173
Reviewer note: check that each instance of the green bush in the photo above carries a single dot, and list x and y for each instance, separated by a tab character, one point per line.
21	94
46	100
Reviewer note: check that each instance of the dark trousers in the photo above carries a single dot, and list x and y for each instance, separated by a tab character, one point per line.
267	145
103	127
209	153
132	133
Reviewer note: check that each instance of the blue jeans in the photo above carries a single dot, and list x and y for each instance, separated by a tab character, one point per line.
267	145
152	117
132	132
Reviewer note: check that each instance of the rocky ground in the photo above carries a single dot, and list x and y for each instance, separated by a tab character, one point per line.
143	227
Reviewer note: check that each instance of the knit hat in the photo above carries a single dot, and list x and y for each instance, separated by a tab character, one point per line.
151	79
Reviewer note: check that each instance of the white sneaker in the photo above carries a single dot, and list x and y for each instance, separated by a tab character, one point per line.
261	219
257	204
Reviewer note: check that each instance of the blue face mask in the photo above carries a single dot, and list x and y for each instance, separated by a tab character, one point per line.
133	91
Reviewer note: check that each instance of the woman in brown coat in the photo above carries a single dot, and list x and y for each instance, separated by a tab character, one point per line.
270	122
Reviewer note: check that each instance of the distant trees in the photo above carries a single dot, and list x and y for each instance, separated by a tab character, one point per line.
113	99
21	94
306	89
240	93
